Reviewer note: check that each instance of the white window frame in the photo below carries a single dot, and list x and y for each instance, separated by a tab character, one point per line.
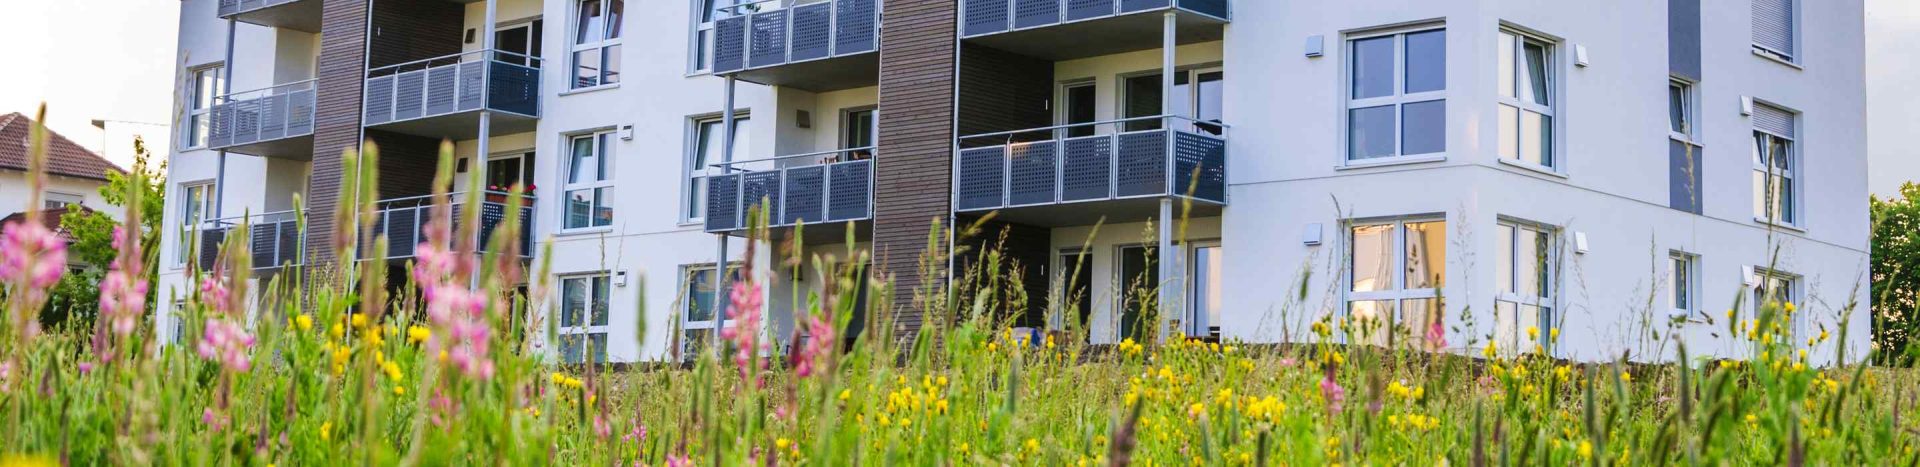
1760	290
694	174
1763	200
199	104
1198	323
585	329
683	312
1683	285
1555	158
605	151
700	39
1794	23
1509	293
611	34
191	219
1399	99
65	199
1689	119
1398	291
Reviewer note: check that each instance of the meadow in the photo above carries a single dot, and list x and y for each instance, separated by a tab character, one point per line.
338	368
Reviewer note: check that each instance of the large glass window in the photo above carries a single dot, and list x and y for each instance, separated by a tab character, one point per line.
1526	99
1680	108
1775	288
1209	278
1396	99
698	287
1681	285
700	57
1774	31
1775	165
703	151
596	42
196	203
589	181
1202	102
1395	270
583	318
203	85
1523	308
857	130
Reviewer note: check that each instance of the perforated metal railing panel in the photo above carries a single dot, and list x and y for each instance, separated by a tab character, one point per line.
1200	166
854	24
514	88
729	44
1087	168
983	17
471	93
760	192
409	93
379	100
723	202
851	190
1141	162
812	31
1035	173
1031	13
1129	6
806	195
769	39
1083	9
441	83
982	178
1217	8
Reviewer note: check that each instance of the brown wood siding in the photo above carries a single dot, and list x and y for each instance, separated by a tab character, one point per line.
407	163
408	30
1024	249
342	68
1003	91
913	179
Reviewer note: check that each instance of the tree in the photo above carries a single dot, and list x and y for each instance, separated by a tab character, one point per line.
76	299
1896	275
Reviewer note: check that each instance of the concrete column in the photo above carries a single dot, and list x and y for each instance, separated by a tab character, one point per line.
720	255
1170	291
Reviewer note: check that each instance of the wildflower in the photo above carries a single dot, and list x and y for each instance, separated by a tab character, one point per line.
226	342
123	293
399	390
845	393
417	334
1533	333
1791	308
820	343
745	334
1586	449
1332	392
1436	336
782	443
1196	410
304	322
1626	377
32	259
1562	373
326	431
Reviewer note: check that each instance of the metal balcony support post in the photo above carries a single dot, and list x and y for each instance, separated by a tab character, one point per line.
486	122
720	256
226	87
1169	258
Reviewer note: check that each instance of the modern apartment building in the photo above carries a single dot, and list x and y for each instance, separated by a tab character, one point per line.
1532	173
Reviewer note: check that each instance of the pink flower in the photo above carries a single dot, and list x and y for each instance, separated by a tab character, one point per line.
1331	390
458	314
226	342
675	460
745	332
820	342
1436	336
32	259
123	294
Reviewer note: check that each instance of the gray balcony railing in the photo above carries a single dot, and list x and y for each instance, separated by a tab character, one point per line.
404	220
273	239
262	115
774	32
483	79
831	186
982	17
1140	157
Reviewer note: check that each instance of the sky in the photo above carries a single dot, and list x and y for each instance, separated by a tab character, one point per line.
114	61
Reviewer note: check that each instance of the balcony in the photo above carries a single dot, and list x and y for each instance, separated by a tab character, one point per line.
1069	29
817	47
404	221
827	188
275	239
273	122
298	15
442	97
1055	177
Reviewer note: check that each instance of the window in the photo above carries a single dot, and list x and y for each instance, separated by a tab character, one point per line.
1683	286
196	203
1395	270
1774	33
503	172
1683	153
1526	99
1523	308
1138	282
57	200
857	130
1202	102
205	83
1079	108
518	44
1773	287
697	319
589	180
1397	94
709	11
1209	277
1775	168
704	151
596	43
583	318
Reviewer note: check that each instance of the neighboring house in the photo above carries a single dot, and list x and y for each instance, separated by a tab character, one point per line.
1485	165
74	174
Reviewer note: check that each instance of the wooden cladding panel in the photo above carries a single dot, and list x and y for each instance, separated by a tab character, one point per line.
343	39
913	182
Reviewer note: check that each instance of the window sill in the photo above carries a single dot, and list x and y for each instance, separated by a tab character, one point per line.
1542	170
1773	223
1391	161
1757	51
582	232
1686	139
585	90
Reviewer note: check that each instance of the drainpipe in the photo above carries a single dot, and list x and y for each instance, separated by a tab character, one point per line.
720	257
1169	270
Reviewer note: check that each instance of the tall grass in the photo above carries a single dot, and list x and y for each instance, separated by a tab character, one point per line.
334	366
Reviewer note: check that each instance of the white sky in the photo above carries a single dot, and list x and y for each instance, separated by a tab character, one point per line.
113	59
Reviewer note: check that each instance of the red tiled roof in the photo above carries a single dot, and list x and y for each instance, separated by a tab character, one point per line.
64	158
50	218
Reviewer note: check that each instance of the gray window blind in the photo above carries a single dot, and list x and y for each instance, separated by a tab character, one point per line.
1773	119
1773	25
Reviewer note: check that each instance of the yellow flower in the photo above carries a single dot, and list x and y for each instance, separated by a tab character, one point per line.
359	320
1196	410
782	443
941	381
1554	334
326	431
399	391
337	331
1562	373
1533	333
1586	449
1033	444
1626	377
304	322
1791	308
418	334
1491	350
845	393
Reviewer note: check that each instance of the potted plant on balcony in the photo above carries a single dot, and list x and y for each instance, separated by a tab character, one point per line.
498	194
